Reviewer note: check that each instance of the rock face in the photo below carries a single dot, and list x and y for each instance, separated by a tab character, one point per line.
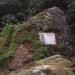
51	20
42	70
22	55
54	20
49	66
56	62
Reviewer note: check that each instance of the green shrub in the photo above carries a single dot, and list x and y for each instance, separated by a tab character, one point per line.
39	50
13	38
5	35
71	8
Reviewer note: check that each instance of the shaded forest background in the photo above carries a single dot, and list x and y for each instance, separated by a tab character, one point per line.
15	11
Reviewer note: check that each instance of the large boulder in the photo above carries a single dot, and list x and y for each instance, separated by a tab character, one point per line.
54	65
54	20
57	62
51	20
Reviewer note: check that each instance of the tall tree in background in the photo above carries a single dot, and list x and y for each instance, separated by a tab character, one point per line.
71	13
26	8
34	6
11	6
71	8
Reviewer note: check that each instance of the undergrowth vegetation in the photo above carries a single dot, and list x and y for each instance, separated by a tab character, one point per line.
5	39
39	50
11	39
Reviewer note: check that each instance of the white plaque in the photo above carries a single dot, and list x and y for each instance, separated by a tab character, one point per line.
48	38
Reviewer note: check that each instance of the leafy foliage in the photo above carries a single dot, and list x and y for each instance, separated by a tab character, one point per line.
39	50
23	9
71	13
11	39
5	36
71	8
